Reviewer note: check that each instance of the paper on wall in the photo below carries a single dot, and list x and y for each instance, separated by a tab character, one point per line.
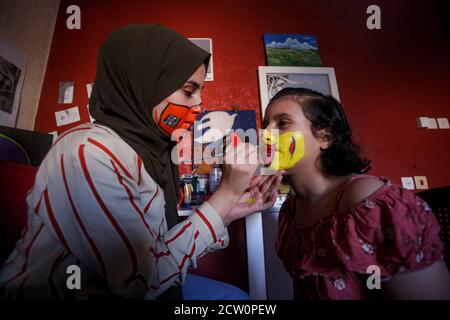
66	92
67	116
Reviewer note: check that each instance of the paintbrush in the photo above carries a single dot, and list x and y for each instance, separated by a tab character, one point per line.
211	157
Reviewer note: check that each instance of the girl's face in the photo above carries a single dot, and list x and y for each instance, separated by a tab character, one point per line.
189	94
287	115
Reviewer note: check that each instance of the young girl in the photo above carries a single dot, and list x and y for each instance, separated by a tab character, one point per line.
340	222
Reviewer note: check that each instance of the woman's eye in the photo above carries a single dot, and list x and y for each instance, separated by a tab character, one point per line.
188	93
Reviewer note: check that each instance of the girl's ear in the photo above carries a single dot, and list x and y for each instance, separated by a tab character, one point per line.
325	138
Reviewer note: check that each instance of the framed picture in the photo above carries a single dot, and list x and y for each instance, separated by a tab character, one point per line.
12	72
273	79
206	44
292	50
209	130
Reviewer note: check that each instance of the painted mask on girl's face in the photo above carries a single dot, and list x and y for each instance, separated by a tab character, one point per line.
177	116
284	150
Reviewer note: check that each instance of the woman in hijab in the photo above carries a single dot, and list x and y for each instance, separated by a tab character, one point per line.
102	215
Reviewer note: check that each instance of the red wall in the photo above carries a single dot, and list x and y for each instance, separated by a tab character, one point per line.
386	78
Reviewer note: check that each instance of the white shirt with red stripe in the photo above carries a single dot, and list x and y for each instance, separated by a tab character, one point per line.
93	205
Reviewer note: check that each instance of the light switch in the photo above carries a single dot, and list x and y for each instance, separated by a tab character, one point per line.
443	123
432	123
423	122
408	183
421	182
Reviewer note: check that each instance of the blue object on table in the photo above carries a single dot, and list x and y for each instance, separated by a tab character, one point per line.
201	288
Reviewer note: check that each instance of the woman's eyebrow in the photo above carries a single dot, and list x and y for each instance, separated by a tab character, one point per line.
193	83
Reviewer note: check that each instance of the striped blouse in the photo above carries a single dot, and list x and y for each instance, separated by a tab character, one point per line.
94	206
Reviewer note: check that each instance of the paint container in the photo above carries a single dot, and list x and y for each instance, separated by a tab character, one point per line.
197	194
215	175
203	183
186	185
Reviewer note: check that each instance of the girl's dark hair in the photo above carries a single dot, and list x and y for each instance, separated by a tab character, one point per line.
342	157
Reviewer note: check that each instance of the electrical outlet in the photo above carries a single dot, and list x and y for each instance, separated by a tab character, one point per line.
408	183
433	123
443	123
421	182
423	122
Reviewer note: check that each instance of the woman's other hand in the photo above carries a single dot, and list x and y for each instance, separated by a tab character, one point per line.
261	196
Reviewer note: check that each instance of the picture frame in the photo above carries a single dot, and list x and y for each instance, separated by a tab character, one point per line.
12	74
299	50
273	79
206	44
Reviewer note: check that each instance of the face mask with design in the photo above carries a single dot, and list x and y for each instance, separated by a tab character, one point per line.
284	150
177	116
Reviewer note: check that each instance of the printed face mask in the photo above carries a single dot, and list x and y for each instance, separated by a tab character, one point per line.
284	150
177	116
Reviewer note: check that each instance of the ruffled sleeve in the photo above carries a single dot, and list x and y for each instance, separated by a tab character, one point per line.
402	235
393	229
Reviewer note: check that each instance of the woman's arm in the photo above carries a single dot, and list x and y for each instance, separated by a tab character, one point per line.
430	283
103	221
95	208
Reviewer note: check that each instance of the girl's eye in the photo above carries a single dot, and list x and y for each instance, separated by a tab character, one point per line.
283	123
188	93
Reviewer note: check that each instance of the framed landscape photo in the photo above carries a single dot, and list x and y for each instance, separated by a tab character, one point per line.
273	79
299	50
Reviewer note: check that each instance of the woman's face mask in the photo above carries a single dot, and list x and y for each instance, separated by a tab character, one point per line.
284	150
177	116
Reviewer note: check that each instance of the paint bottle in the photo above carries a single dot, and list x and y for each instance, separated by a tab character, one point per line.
197	194
215	175
201	190
186	185
203	183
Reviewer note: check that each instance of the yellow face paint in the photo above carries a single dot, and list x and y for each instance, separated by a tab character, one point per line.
288	148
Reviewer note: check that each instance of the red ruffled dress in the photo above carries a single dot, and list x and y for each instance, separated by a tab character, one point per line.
392	229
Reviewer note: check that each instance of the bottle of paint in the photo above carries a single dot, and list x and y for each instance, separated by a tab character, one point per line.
215	175
186	185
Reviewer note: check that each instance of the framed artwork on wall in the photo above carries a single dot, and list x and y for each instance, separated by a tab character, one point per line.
292	50
12	73
206	44
273	79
